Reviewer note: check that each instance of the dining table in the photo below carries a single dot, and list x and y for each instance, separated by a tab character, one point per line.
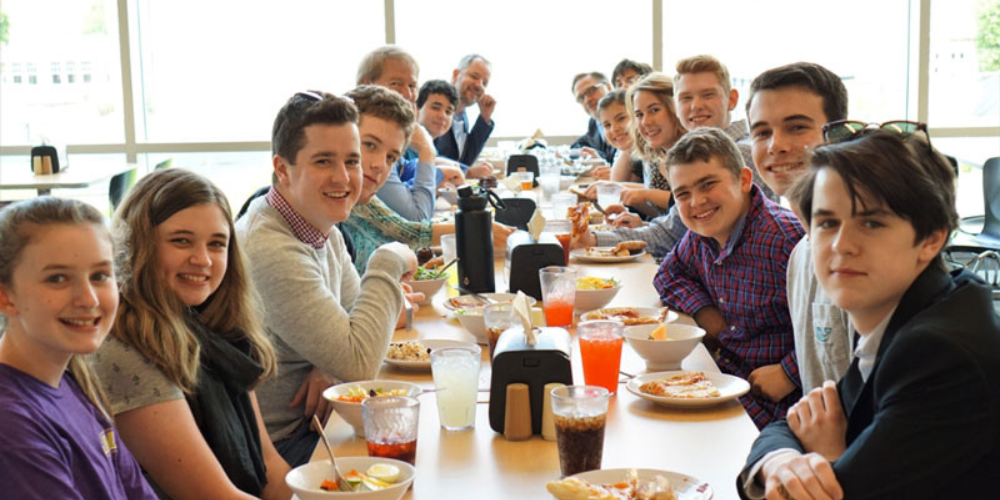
79	173
709	444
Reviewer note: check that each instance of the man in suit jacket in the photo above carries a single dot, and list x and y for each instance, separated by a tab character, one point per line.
589	88
918	413
471	79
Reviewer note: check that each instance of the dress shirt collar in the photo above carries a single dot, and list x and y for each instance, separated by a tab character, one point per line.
867	349
737	130
301	228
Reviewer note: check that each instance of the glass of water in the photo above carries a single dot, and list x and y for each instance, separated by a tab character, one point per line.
456	380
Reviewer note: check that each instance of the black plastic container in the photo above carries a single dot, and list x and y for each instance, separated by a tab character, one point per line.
474	239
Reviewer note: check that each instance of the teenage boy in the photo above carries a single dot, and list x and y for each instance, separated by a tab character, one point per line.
918	414
436	105
471	78
705	97
320	315
589	88
787	108
395	69
728	271
627	72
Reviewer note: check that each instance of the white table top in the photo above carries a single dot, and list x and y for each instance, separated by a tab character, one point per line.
81	173
710	444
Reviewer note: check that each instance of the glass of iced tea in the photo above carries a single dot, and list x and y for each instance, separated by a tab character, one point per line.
497	318
391	424
558	294
580	412
527	180
601	351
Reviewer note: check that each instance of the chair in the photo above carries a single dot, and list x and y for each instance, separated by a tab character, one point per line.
516	213
527	163
989	237
164	164
119	186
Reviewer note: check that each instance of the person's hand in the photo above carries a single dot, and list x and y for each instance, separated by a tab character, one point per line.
591	192
408	257
452	176
479	170
627	219
414	298
423	144
486	105
588	152
311	392
633	197
602	172
500	234
792	475
586	240
771	382
818	422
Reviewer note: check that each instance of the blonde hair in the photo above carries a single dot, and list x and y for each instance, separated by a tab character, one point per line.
662	86
18	223
705	64
151	316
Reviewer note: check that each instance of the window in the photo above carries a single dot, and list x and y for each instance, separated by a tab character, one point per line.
225	80
70	70
536	48
54	111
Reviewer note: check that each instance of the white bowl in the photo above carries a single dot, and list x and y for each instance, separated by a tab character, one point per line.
664	354
305	479
472	319
588	300
351	412
428	287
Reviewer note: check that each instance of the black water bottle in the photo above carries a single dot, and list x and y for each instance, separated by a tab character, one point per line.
474	240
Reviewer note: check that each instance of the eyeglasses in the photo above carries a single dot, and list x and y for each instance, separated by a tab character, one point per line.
845	130
589	92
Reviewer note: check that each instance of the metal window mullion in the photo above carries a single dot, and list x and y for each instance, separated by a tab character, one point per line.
390	22
924	61
128	107
658	35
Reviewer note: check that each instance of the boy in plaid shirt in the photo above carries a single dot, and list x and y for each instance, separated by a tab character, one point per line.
729	271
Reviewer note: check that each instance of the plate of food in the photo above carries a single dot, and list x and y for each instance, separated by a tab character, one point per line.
416	354
687	389
626	484
631	316
476	301
622	252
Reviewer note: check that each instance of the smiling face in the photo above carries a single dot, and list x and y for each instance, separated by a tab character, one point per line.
785	124
62	297
703	102
615	120
653	119
710	199
193	250
471	82
865	260
626	78
324	183
382	144
588	91
399	75
436	114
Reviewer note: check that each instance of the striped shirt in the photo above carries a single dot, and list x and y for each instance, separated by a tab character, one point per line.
746	282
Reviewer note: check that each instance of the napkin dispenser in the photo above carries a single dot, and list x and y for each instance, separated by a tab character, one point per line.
44	160
525	256
514	361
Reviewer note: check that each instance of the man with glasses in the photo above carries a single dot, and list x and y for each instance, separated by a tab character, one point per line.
589	88
470	78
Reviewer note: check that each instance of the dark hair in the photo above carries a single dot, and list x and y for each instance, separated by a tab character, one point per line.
811	77
304	109
597	75
386	104
628	64
610	98
912	180
437	87
703	144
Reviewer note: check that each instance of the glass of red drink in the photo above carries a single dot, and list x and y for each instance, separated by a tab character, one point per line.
601	351
558	294
391	424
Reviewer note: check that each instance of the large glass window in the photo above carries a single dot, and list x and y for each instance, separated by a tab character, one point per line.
219	71
535	47
40	42
965	64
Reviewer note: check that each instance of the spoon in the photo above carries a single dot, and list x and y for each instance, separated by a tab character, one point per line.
338	478
445	268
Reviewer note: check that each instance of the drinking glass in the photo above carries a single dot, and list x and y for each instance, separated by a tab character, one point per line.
561	229
561	203
527	180
580	412
391	424
456	379
498	318
558	294
601	351
609	194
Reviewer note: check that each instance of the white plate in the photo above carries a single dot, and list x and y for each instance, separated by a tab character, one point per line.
499	297
581	255
685	487
427	343
729	387
643	311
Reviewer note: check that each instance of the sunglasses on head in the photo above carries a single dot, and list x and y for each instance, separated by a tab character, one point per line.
846	130
309	95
